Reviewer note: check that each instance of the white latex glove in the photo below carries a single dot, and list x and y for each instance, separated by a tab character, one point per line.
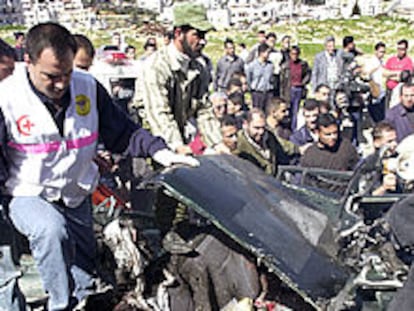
166	157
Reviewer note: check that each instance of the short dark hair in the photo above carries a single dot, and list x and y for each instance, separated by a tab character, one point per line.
262	32
296	48
228	120
403	41
130	47
6	50
235	82
274	103
236	98
347	40
379	45
325	120
18	34
380	128
263	47
82	42
49	35
228	41
322	85
242	45
169	34
286	37
271	35
149	45
405	86
311	104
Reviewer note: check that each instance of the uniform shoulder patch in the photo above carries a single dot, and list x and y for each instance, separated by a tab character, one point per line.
83	104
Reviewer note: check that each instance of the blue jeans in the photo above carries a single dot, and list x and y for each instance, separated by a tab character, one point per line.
295	98
63	245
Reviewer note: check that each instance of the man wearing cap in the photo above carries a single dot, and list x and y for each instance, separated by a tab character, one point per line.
327	66
172	89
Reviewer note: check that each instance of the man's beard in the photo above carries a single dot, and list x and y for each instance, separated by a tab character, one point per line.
188	50
285	122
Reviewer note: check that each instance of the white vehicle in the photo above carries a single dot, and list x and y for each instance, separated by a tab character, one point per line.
116	72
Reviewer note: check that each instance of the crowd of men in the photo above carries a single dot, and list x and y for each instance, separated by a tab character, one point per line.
266	105
270	107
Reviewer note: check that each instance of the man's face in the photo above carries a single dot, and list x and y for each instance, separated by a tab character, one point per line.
229	134
310	117
323	94
130	54
261	37
328	136
220	108
191	41
82	60
271	41
20	40
256	128
49	75
265	55
233	108
229	49
380	53
351	46
388	139
294	55
167	40
245	85
116	39
407	97
401	50
330	47
148	51
281	114
286	43
6	67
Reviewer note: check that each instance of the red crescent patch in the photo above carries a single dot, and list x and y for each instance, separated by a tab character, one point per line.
24	125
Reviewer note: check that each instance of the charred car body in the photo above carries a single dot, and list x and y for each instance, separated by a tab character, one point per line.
225	234
230	232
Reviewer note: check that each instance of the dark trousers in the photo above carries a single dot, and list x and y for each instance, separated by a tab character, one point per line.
260	99
276	85
377	109
295	98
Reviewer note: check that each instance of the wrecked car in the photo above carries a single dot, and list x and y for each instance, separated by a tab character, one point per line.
224	236
231	234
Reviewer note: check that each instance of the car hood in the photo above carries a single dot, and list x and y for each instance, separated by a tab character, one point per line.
283	230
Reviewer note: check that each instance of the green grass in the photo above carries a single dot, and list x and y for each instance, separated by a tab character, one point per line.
309	34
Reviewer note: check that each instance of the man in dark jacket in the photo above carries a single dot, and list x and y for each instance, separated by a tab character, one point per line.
258	145
401	116
306	134
330	152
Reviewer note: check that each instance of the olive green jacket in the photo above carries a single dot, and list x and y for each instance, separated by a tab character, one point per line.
267	158
172	93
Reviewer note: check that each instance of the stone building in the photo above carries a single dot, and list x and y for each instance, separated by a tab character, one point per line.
31	12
